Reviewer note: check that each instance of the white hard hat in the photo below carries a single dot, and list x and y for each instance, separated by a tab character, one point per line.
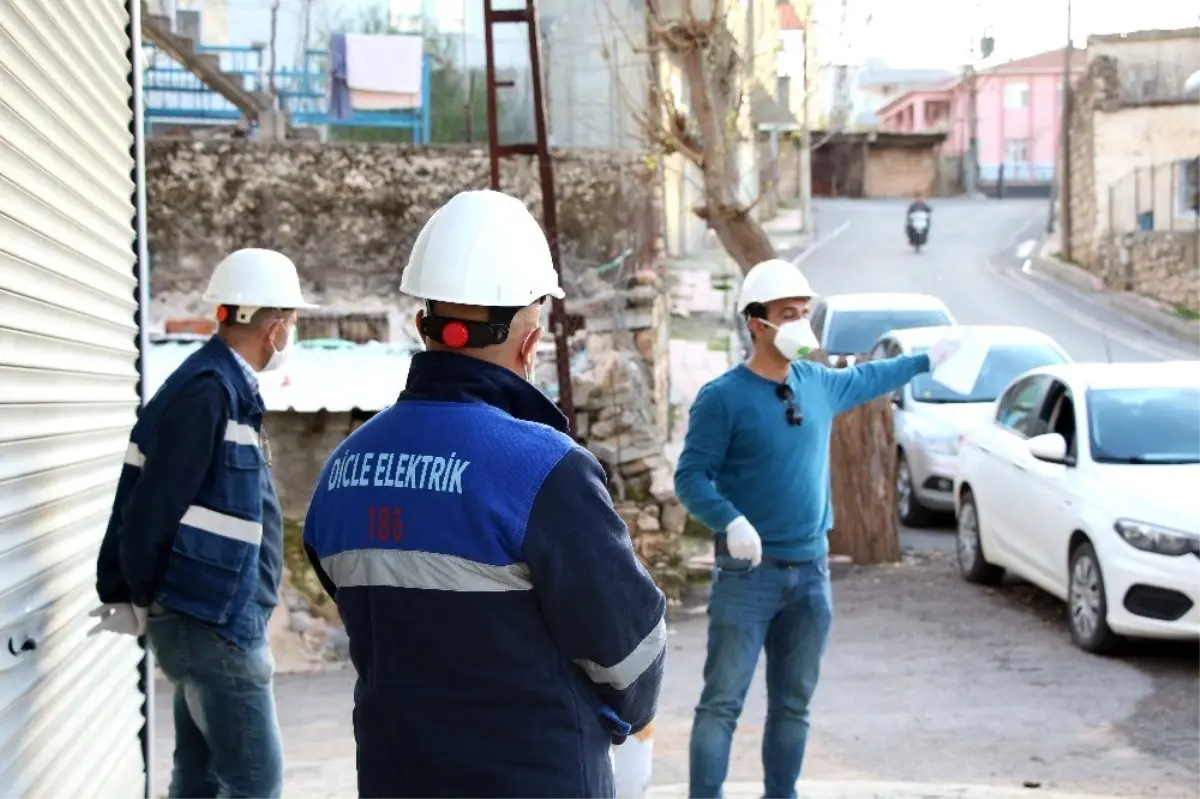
482	248
254	278
775	279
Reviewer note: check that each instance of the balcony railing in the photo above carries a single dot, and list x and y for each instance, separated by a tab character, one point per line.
173	94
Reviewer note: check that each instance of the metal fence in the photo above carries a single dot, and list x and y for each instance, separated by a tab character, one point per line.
1162	197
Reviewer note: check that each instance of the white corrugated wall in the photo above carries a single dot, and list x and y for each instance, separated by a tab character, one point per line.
70	706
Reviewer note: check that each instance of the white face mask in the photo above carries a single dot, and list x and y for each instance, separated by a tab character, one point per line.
794	340
279	357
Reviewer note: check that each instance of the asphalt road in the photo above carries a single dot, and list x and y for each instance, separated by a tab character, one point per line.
973	262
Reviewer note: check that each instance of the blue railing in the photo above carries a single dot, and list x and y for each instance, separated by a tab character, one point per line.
1017	172
174	94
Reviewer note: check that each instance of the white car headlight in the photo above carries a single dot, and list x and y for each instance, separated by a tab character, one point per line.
1156	538
942	444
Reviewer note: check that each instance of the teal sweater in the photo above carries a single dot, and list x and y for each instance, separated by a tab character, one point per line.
741	458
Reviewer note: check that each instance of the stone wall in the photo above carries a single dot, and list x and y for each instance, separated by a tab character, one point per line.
1159	264
348	213
622	407
300	444
900	171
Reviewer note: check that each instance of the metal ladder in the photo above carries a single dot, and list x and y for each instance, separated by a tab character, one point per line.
541	149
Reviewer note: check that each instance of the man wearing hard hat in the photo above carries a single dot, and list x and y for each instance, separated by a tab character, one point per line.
503	631
755	469
193	554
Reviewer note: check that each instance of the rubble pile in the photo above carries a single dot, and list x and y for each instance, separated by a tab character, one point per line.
620	396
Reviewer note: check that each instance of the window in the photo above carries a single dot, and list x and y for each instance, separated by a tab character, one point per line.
1058	415
1018	408
1016	151
1016	95
1189	186
187	25
1144	425
853	332
817	320
1004	363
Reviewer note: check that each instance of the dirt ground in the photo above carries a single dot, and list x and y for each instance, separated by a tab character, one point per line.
927	679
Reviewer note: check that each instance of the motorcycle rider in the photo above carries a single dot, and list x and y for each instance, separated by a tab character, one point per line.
917	206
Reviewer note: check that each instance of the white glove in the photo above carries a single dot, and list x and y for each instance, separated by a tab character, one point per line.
743	542
944	349
120	617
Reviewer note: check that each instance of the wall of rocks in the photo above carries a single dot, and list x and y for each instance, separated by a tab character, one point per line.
1163	265
347	214
622	413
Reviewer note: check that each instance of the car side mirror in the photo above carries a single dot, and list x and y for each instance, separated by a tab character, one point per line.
1049	447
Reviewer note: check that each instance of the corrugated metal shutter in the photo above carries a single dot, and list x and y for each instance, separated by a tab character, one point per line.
70	706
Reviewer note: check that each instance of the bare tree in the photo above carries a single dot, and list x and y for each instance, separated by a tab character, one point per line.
708	131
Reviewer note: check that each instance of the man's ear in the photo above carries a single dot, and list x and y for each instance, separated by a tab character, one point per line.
420	317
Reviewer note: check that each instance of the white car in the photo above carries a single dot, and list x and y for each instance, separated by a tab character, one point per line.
847	325
1085	483
929	418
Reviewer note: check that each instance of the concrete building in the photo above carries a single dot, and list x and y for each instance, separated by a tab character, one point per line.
1134	213
1019	110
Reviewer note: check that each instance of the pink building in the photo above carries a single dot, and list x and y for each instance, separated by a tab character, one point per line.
1019	107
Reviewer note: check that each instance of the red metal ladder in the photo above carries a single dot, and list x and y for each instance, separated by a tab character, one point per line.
541	149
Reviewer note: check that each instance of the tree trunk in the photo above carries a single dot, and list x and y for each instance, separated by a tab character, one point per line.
862	476
742	238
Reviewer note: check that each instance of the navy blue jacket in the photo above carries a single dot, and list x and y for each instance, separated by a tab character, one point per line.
503	630
196	524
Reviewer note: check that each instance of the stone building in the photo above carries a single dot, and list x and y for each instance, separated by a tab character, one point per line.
1134	144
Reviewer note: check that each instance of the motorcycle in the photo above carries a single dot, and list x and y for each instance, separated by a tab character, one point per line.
918	228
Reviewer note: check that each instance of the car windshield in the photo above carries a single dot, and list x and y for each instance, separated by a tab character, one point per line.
1003	364
1144	425
854	332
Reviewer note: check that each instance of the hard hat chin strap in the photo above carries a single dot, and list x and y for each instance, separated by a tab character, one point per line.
460	334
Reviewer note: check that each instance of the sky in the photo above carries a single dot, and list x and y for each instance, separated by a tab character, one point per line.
938	33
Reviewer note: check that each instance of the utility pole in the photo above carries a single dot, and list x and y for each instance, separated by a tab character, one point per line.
806	205
971	163
1064	197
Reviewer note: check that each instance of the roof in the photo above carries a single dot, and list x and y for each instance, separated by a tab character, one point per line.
993	334
319	375
1049	61
897	301
766	112
1157	374
1154	35
789	20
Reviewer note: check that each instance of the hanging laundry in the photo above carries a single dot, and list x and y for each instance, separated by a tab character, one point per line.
384	73
339	89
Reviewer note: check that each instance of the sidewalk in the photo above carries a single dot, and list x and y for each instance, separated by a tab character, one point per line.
817	789
1044	262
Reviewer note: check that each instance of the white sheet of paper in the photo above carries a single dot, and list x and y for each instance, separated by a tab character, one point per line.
960	371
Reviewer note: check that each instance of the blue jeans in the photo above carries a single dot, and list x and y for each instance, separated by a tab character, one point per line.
227	740
788	610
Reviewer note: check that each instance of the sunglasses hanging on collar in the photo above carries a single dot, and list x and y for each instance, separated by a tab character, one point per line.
791	411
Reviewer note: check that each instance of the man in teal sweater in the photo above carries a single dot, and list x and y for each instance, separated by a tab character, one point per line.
755	469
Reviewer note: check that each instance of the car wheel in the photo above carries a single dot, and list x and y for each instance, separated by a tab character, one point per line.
909	509
1087	608
972	564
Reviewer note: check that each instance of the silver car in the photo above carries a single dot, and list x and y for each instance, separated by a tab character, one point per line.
846	325
929	417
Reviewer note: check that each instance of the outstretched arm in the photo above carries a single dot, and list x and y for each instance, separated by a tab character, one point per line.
850	387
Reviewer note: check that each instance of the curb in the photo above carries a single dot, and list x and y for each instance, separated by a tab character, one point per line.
1148	312
822	789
